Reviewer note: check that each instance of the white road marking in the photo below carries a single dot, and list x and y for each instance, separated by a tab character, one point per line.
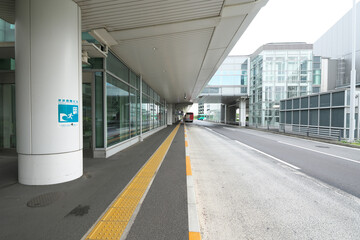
332	155
232	129
218	133
288	164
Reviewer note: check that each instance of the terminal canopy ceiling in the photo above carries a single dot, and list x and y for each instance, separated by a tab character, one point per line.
176	45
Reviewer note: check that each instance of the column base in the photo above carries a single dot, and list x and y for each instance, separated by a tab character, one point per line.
50	168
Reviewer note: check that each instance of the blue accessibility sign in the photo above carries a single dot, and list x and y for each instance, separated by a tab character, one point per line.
68	112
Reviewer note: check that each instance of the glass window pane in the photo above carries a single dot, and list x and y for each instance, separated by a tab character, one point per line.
282	105
338	99
134	80
337	117
296	115
304	102
325	100
145	113
288	104
115	66
117	111
133	112
314	101
87	116
7	116
296	103
325	117
282	117
313	120
304	117
288	117
99	110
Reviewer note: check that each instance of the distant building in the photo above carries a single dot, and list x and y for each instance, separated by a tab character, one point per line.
227	91
279	71
335	48
201	108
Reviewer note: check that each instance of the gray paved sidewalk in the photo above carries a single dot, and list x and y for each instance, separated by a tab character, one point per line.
79	203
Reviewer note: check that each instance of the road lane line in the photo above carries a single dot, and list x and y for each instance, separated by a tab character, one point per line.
114	221
328	154
288	164
218	133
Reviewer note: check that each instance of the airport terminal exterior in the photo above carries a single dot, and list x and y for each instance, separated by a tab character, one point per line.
102	75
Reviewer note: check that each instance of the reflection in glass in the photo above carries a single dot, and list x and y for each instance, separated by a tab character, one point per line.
87	119
118	126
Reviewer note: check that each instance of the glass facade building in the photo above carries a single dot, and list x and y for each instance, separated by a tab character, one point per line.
280	71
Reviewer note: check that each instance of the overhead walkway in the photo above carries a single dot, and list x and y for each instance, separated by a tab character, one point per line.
80	208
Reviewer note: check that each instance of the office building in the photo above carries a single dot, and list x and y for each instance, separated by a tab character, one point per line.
279	71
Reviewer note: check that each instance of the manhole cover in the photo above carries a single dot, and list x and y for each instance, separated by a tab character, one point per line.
322	147
44	199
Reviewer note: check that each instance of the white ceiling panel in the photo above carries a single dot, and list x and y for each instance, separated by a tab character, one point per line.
168	63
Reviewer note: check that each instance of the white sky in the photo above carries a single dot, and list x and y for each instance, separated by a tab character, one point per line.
291	21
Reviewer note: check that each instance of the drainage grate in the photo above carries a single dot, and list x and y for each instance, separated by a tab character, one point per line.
44	199
322	147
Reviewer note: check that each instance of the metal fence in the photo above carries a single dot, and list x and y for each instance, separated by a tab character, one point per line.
317	132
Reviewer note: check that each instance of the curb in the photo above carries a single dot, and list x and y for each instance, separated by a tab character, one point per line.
194	227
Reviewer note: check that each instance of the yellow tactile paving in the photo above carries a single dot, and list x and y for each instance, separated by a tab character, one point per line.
113	223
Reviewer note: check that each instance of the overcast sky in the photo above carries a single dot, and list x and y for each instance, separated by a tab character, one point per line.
291	21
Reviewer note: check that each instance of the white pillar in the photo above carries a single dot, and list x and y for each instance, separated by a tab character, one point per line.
48	69
170	113
242	112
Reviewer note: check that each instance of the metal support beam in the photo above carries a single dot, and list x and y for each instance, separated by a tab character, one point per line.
353	76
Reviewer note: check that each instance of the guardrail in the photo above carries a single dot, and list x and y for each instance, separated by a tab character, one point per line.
318	132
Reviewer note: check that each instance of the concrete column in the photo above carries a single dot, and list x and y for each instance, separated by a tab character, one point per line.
48	91
170	114
231	114
242	112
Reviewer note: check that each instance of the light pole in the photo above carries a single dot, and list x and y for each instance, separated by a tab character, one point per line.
358	116
353	75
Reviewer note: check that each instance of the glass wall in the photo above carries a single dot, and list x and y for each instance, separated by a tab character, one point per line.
99	110
118	112
123	103
87	116
7	32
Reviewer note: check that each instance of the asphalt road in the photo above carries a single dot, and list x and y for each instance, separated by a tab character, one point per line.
257	185
335	165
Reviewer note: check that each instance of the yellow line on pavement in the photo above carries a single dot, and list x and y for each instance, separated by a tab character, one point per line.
114	221
194	236
188	166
